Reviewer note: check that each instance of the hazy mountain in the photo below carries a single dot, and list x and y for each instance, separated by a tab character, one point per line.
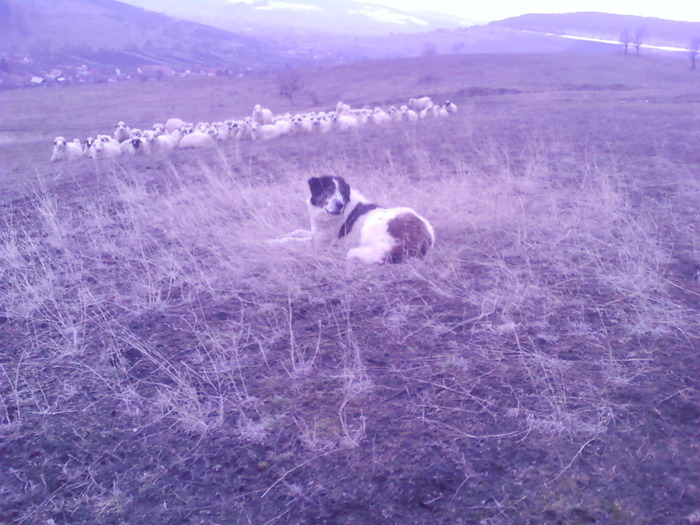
267	34
327	16
107	32
607	26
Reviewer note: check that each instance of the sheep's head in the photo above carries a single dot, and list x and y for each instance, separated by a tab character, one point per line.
59	142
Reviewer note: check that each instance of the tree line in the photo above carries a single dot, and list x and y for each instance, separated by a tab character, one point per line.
634	39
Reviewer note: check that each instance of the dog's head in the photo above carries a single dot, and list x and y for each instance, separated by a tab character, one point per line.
330	193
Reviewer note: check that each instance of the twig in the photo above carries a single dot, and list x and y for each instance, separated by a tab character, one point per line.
680	287
570	462
281	478
473	436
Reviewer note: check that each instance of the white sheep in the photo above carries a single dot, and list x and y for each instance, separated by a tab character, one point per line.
362	115
394	114
341	108
121	132
231	128
265	132
168	141
429	111
418	104
63	150
87	145
244	129
135	146
223	132
150	138
198	139
408	114
174	123
344	122
450	107
262	115
90	145
321	125
283	125
379	116
301	124
105	150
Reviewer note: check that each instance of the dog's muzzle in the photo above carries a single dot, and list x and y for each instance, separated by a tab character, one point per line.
335	207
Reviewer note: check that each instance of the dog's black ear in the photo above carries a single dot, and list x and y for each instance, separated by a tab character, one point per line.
344	188
315	186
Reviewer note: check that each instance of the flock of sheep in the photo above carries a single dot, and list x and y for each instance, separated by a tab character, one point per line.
261	125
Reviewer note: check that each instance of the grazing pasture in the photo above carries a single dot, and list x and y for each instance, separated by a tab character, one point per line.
162	363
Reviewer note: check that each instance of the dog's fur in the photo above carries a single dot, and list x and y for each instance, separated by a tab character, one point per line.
341	216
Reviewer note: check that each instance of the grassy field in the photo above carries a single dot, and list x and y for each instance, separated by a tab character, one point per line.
161	363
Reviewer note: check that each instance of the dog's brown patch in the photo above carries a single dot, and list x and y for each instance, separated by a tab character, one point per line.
412	236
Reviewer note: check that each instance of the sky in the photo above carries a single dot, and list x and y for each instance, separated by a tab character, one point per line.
488	10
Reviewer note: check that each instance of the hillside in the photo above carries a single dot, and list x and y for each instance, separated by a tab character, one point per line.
111	34
340	17
90	40
607	26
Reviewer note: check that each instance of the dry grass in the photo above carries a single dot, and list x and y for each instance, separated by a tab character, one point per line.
145	308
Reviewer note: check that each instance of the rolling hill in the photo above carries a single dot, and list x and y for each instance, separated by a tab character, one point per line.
112	34
606	26
107	39
317	16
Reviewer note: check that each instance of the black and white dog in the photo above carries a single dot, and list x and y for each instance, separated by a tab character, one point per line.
343	217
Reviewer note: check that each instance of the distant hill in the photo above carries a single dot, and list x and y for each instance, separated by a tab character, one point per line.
107	33
607	26
339	17
103	40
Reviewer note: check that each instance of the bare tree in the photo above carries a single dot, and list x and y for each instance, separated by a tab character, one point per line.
429	50
639	35
626	39
694	52
288	83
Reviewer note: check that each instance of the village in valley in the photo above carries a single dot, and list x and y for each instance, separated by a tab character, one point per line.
19	72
